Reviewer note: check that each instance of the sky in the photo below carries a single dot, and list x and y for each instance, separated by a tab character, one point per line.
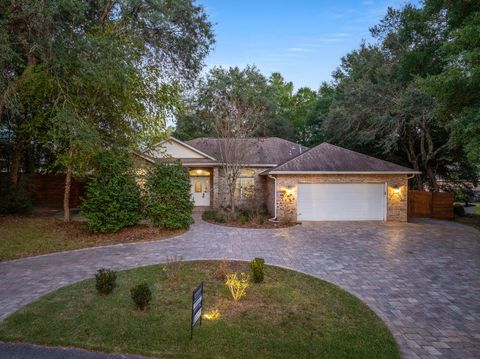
303	40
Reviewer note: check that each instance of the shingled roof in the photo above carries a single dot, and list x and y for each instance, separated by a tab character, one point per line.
329	158
265	151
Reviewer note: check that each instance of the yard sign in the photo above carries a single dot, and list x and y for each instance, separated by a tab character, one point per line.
197	305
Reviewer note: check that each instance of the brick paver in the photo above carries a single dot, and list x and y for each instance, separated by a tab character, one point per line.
421	278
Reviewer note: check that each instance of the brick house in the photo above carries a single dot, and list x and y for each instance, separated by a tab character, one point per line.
293	182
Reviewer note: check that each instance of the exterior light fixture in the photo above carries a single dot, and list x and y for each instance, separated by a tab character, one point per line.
396	189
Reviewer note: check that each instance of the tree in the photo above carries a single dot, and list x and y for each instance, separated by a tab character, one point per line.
384	106
79	75
238	103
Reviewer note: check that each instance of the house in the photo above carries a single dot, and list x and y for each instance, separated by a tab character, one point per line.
324	183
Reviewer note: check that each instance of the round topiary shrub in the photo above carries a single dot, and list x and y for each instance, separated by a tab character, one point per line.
168	201
106	281
112	200
141	295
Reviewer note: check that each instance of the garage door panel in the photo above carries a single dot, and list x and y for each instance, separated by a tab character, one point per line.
317	202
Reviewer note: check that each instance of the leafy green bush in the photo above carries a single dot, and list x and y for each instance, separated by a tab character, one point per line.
213	215
106	281
209	215
258	269
112	199
261	219
141	295
15	199
244	217
168	201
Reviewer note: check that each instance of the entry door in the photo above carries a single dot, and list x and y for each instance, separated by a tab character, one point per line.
341	202
200	188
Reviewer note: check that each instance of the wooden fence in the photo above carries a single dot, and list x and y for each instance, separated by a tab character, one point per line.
48	191
430	204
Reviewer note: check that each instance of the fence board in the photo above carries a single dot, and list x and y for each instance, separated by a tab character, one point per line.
48	191
429	204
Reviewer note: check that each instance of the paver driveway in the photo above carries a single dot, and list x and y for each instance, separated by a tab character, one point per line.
422	278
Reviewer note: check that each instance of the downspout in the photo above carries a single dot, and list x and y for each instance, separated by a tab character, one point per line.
274	218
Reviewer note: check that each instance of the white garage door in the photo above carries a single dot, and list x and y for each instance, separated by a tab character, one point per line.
341	202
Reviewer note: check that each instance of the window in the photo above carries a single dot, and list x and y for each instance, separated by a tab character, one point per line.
199	173
198	186
246	184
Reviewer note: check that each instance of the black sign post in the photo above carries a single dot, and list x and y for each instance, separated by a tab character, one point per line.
197	305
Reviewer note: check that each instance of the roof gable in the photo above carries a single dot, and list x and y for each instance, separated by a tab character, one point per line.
177	149
329	158
269	151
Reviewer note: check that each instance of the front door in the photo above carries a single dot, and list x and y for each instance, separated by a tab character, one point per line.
200	188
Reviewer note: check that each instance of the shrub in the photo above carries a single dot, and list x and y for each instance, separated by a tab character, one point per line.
141	295
213	215
459	210
258	268
209	215
237	286
112	200
261	219
106	281
168	201
244	217
15	199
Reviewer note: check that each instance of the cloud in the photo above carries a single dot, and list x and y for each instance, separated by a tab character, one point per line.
299	49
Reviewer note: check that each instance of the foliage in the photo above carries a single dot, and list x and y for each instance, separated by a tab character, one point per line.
112	200
213	215
78	75
141	296
15	199
244	217
172	268
237	286
258	268
105	281
168	200
459	210
390	100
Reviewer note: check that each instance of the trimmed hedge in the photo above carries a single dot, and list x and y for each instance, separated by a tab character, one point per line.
168	200
112	200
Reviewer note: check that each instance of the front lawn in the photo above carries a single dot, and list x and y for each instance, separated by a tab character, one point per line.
290	315
24	236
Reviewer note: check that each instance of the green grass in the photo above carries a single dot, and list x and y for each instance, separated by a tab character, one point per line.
290	315
24	236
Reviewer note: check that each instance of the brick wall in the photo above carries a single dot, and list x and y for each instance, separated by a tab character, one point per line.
397	203
220	189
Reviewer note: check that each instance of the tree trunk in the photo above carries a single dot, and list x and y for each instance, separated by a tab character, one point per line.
68	182
15	164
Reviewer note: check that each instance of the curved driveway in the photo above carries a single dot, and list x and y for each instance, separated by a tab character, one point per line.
422	278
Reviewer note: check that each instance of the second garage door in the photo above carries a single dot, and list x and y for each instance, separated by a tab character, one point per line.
341	202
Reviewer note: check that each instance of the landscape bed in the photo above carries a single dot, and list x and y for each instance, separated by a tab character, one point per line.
289	315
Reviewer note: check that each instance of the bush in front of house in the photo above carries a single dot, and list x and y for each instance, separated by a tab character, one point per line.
112	199
258	269
105	281
141	295
168	200
213	216
15	199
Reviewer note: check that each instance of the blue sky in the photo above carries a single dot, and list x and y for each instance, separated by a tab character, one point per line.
303	40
